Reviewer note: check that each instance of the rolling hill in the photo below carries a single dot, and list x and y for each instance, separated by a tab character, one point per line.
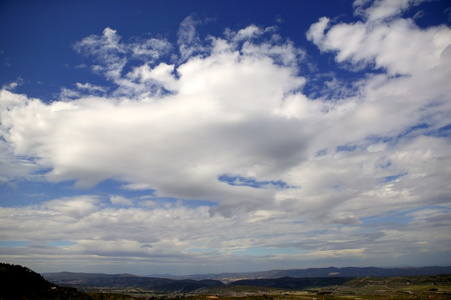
22	283
119	281
325	272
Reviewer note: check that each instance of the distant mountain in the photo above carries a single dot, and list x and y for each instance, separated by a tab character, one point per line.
326	272
18	282
120	281
294	278
357	272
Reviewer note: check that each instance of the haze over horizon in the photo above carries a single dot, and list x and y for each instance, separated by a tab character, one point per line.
281	273
203	137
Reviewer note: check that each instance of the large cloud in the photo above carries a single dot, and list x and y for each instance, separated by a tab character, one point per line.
220	117
226	121
188	240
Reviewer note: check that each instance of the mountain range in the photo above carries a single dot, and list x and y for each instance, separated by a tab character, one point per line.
119	281
324	272
192	282
22	283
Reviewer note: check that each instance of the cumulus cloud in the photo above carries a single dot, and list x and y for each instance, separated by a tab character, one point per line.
221	119
382	9
73	207
227	123
396	45
107	50
111	56
120	200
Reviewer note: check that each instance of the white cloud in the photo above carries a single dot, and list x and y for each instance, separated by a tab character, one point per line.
120	200
193	240
398	45
68	94
240	114
150	50
188	39
13	85
107	50
159	78
73	207
137	186
233	106
383	9
90	87
111	56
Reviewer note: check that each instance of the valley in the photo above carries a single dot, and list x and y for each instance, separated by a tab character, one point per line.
19	282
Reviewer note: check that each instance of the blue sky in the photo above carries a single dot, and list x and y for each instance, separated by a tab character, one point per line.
224	136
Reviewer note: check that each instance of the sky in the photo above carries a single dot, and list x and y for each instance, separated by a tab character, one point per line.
193	137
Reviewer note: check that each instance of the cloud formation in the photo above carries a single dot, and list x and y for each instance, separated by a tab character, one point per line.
224	126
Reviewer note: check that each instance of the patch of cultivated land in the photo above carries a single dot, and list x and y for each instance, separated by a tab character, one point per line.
419	287
22	283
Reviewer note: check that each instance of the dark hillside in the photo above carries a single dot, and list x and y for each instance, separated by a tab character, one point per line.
127	281
19	282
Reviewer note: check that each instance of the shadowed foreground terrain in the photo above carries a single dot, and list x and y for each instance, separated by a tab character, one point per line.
18	282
